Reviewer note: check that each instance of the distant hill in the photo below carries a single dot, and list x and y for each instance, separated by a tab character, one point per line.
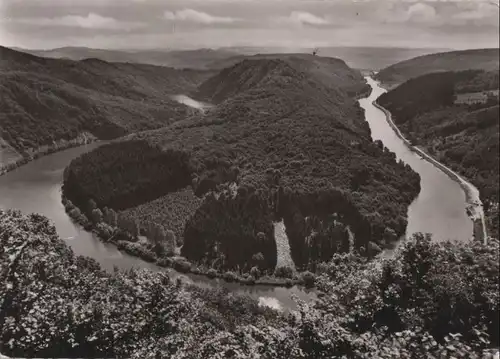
195	59
44	100
366	58
286	140
443	113
362	58
374	58
480	59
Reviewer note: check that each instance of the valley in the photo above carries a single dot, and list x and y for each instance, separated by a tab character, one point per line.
292	179
271	203
49	101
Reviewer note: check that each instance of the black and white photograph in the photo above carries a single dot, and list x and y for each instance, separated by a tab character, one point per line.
249	179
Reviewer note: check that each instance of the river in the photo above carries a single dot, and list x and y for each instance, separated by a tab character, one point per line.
440	208
36	187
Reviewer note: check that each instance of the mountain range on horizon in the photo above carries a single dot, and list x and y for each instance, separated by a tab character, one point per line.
365	58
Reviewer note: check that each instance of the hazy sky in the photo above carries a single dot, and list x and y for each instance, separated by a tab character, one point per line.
212	23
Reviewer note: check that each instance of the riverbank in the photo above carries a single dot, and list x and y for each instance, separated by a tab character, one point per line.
474	209
61	145
140	247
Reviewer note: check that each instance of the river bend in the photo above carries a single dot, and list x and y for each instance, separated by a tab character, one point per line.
36	187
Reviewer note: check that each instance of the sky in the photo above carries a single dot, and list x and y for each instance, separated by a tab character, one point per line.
142	24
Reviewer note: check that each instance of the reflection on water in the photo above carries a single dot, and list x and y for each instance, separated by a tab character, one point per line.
270	302
188	101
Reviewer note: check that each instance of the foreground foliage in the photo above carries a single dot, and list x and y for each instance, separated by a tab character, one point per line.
429	301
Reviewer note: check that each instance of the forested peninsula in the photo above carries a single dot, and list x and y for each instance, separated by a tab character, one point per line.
286	141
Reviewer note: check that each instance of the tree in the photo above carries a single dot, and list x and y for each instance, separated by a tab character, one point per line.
97	215
258	259
283	272
113	218
171	242
390	235
91	205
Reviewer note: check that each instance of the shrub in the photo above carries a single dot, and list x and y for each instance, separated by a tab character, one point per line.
373	249
75	213
212	273
308	279
135	249
255	272
230	277
105	231
248	279
97	215
165	262
68	205
283	272
182	265
258	258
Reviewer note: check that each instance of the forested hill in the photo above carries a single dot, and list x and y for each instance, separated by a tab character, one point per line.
455	117
479	59
43	100
329	71
294	149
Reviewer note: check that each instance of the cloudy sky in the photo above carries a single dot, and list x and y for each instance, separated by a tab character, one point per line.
42	24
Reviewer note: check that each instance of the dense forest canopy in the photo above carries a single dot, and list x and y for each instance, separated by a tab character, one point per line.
464	136
123	176
477	59
292	146
430	300
45	100
240	72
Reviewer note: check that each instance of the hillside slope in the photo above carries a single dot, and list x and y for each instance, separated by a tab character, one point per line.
45	100
480	59
281	143
462	134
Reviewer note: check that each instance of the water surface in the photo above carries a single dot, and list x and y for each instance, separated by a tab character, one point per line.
36	187
188	101
440	206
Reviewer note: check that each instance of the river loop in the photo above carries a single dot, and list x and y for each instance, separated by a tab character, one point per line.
36	187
